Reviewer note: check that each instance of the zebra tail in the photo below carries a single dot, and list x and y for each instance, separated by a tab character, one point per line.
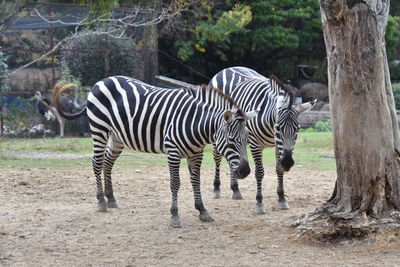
57	90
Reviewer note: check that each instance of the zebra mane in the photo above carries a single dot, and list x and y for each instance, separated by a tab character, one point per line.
287	89
214	90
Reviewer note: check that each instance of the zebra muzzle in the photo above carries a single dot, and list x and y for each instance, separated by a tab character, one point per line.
286	160
243	170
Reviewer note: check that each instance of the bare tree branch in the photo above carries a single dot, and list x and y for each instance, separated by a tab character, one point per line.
109	25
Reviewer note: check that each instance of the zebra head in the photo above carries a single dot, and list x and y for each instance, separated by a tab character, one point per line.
231	140
287	125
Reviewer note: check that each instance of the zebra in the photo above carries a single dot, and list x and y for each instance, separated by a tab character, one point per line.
125	112
276	124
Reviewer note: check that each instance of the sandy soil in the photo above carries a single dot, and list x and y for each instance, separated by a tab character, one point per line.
49	218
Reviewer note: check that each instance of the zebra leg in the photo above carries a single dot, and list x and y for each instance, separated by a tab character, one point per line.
235	188
194	164
99	147
282	203
113	151
217	180
174	161
256	151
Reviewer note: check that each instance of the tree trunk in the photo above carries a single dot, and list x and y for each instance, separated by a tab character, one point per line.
366	133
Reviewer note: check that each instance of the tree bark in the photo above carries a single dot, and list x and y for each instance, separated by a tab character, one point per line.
366	133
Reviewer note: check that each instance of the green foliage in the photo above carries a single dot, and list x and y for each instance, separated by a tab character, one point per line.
215	31
66	75
271	36
396	94
323	126
320	126
89	66
100	7
392	37
308	130
288	31
284	24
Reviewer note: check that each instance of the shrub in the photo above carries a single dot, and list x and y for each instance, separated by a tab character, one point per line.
66	75
396	94
323	126
20	120
88	65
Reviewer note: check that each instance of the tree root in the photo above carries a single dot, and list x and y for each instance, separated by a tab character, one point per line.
325	224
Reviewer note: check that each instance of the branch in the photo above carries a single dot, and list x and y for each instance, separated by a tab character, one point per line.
77	35
116	27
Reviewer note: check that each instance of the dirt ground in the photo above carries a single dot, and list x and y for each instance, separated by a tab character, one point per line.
49	218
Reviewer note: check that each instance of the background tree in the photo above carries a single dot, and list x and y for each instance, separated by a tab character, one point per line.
91	66
365	127
393	46
3	86
99	20
270	36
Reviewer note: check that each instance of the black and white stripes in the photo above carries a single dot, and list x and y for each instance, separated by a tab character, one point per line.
124	112
275	125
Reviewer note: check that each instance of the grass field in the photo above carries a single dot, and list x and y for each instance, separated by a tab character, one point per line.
313	151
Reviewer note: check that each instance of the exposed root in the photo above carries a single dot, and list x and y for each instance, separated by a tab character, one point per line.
326	225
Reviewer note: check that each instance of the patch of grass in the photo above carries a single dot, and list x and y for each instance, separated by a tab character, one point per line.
59	145
313	151
47	163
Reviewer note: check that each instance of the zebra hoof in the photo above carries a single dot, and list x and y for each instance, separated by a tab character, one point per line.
102	206
112	204
283	205
175	222
216	194
260	209
205	217
237	195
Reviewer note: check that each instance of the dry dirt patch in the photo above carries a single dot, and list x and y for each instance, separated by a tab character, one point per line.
49	218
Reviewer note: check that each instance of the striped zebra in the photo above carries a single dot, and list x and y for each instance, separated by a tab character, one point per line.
276	124
125	112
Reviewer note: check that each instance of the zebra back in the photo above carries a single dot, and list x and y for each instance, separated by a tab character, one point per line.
151	119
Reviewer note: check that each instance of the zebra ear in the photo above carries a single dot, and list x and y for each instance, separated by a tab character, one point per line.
305	106
251	114
228	116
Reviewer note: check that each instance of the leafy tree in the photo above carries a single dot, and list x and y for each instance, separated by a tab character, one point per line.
270	36
392	37
394	8
396	94
286	33
215	31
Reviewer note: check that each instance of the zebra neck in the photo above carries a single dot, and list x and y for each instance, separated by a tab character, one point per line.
211	97
212	119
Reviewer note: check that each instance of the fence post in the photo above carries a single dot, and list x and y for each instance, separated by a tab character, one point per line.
51	30
106	58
